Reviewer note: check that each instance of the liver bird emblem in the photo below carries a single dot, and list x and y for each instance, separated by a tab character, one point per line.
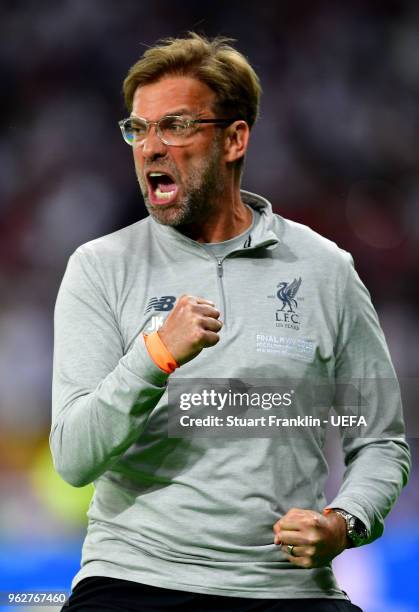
287	292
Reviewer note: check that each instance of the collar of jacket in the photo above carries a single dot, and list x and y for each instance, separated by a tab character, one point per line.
263	234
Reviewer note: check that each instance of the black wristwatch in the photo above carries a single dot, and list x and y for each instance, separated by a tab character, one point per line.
355	528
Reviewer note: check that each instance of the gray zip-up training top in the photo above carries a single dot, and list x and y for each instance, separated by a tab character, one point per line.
197	514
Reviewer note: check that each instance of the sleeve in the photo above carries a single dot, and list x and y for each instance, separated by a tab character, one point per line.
377	461
101	397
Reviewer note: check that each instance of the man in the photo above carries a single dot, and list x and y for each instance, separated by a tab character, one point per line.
212	285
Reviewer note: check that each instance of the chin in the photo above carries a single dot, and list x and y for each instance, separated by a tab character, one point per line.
171	215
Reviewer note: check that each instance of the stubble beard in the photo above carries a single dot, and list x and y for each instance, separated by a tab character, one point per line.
202	189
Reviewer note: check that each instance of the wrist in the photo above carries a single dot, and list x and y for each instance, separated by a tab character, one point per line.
159	353
356	532
338	524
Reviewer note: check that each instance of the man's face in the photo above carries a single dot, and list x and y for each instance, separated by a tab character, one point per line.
193	172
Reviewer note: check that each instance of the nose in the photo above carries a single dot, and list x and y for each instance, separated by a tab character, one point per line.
153	147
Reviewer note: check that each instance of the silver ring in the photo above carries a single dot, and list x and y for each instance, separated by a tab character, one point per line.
290	548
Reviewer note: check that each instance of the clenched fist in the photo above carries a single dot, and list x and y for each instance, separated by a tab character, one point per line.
192	325
315	539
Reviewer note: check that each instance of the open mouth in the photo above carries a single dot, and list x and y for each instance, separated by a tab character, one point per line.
162	188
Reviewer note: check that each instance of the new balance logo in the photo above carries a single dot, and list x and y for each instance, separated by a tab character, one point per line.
161	304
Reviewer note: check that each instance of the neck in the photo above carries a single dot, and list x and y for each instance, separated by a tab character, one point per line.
229	217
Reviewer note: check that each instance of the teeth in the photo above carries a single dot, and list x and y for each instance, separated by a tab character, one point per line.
164	195
156	174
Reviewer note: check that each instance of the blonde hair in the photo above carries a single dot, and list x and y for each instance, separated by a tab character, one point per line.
213	61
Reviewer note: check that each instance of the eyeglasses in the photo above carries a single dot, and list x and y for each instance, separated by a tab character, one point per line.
173	130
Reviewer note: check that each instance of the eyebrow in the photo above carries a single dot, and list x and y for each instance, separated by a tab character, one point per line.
178	111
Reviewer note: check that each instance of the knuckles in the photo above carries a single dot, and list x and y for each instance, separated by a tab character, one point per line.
197	336
184	300
185	303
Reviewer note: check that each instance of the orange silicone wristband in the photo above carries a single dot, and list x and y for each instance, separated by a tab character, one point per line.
159	353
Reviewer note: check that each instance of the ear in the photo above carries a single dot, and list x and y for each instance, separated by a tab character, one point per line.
236	140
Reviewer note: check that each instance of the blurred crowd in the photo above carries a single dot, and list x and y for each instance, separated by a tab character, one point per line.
336	147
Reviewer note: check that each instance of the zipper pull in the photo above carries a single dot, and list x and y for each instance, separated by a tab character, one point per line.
220	267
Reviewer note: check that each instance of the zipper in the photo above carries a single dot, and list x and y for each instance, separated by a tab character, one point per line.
220	274
220	267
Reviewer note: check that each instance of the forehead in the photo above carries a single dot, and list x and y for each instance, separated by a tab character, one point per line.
171	95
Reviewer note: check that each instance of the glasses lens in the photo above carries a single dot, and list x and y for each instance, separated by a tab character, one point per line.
134	131
175	130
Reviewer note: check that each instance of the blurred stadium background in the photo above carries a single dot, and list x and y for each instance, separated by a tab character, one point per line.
336	147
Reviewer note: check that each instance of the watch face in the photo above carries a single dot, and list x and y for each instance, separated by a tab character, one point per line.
355	528
360	528
357	533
